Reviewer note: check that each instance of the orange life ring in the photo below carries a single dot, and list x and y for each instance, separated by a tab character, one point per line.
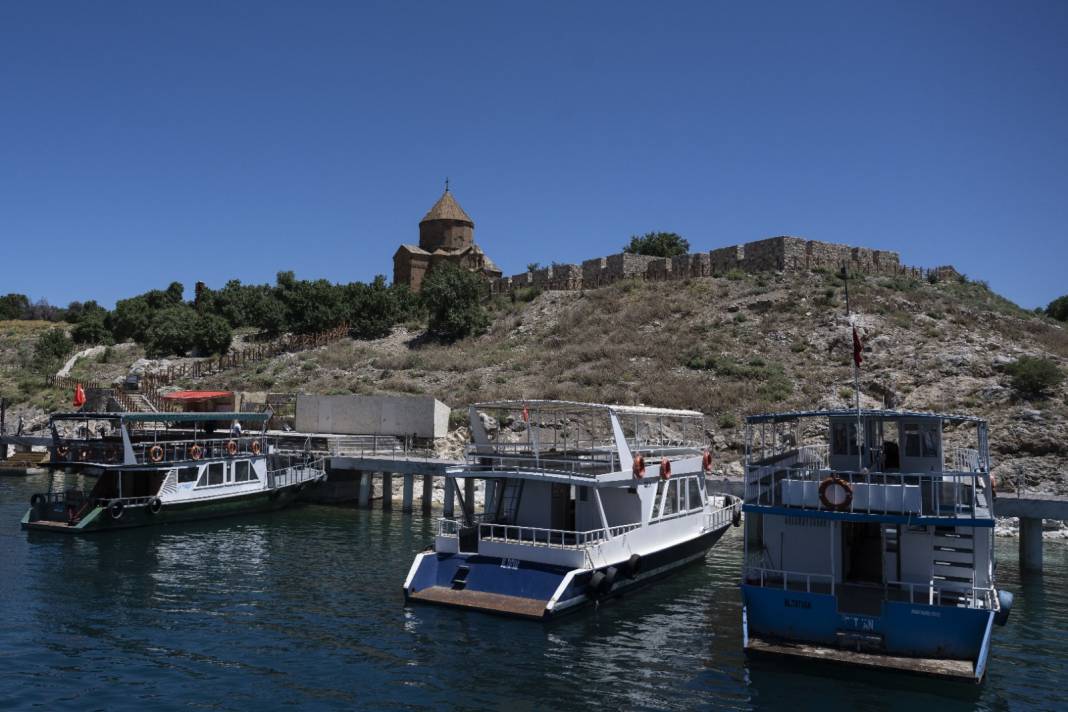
255	447
196	452
639	466
231	447
83	454
62	450
665	468
837	505
155	453
706	462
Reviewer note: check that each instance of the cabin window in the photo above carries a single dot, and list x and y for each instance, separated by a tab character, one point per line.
844	439
930	442
584	494
187	474
203	478
912	440
671	501
657	499
215	473
241	471
695	493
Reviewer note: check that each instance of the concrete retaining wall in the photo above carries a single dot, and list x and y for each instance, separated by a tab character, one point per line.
422	416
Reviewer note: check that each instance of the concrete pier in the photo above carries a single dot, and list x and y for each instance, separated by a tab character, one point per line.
450	497
387	491
428	494
409	492
365	490
1030	544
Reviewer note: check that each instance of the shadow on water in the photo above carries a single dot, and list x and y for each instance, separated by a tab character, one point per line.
304	607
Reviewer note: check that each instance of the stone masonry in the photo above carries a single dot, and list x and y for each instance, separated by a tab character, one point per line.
779	254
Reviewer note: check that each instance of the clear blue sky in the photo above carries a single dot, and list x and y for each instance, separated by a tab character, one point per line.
146	142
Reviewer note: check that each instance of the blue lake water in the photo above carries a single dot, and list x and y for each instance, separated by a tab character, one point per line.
303	607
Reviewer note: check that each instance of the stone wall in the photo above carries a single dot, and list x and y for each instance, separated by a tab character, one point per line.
778	254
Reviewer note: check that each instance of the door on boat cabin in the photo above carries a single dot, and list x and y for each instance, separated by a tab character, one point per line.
862	552
562	509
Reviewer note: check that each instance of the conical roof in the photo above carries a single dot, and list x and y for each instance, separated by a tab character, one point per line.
447	209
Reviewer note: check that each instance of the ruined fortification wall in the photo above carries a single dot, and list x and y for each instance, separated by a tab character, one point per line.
778	254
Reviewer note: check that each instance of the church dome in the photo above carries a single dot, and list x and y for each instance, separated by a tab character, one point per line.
447	209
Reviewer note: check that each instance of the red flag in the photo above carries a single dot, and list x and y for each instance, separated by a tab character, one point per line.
526	415
857	348
79	396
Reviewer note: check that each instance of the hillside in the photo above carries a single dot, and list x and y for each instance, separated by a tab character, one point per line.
727	346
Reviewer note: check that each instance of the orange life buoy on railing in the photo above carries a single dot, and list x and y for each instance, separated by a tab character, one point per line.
255	447
155	453
231	447
62	450
665	468
639	466
196	452
837	499
706	462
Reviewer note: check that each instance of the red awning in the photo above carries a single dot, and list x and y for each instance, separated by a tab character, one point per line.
198	395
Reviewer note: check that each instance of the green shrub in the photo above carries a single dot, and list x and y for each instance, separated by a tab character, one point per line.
91	329
1034	377
727	421
735	274
376	308
172	332
658	244
453	299
212	335
51	348
1058	308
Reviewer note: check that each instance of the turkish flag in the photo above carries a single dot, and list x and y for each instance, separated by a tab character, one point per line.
526	415
79	396
857	348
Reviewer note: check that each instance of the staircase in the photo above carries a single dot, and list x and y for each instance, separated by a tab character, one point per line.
953	564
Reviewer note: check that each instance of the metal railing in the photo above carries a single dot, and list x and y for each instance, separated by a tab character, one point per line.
932	594
408	447
587	466
953	494
185	450
297	473
723	516
788	580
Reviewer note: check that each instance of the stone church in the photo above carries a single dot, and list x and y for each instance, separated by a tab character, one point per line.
446	234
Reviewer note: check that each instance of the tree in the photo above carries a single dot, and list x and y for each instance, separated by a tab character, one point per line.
1034	377
658	244
173	331
311	307
375	308
453	298
91	329
213	334
131	319
52	347
14	306
1058	308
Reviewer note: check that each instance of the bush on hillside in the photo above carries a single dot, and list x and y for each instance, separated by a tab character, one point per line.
14	306
51	348
212	335
1034	377
90	329
658	244
172	332
453	299
1058	308
130	319
374	309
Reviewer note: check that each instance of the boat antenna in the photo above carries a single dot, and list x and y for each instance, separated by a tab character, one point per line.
860	436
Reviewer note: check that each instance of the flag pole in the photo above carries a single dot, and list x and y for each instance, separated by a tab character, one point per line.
860	435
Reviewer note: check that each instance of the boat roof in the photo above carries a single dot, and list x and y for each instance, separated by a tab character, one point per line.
572	406
864	413
165	417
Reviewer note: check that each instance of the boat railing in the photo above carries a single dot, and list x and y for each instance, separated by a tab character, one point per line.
149	452
534	536
946	494
789	580
932	593
295	473
586	466
963	459
723	516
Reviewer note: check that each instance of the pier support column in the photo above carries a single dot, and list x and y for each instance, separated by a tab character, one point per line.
489	495
387	491
469	497
409	491
1030	544
428	494
450	496
365	489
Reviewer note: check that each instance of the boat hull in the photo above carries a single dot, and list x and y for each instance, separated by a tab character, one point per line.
99	520
774	620
534	590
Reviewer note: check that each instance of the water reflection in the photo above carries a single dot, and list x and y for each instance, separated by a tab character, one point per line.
304	607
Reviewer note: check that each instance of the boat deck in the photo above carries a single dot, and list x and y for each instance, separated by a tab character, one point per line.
936	667
482	601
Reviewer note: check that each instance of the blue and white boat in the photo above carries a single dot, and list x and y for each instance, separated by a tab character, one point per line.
572	513
876	550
